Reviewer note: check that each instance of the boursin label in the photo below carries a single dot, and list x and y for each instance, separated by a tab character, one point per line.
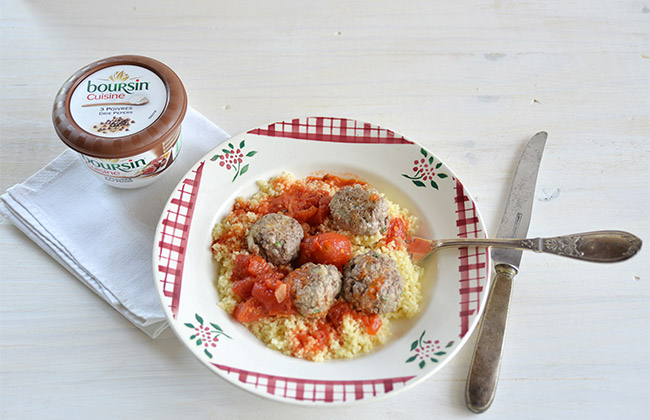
119	82
134	170
118	101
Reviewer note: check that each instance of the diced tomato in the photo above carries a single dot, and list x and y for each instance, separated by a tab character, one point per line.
266	292
244	287
249	310
260	286
247	270
248	265
305	214
397	230
373	324
326	248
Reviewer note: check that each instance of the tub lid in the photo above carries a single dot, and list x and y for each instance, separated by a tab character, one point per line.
119	106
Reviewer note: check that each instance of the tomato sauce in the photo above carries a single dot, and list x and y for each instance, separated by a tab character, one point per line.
374	288
320	334
313	340
342	309
234	239
308	206
242	207
397	231
260	286
336	181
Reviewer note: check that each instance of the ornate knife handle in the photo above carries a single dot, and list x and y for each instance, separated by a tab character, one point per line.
599	246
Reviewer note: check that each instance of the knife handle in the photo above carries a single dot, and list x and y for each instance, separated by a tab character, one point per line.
484	368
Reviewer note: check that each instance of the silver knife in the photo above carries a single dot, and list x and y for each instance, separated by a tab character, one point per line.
484	368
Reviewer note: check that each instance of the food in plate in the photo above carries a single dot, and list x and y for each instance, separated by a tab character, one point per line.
317	267
372	283
359	210
276	238
314	288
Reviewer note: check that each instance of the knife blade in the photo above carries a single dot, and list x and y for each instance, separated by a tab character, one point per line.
484	367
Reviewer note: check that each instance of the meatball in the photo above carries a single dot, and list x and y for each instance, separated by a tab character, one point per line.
359	209
276	238
372	283
314	288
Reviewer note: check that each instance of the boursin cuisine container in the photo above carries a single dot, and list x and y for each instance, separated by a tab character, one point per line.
123	116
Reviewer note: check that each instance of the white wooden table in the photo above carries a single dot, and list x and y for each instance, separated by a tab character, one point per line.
471	80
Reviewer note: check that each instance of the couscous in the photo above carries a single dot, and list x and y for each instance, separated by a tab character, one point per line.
299	307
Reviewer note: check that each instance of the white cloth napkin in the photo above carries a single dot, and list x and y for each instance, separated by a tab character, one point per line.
101	234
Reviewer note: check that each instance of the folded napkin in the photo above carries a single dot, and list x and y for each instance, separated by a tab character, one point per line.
101	234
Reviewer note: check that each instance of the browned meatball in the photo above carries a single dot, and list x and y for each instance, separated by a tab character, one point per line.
314	288
359	209
276	238
372	283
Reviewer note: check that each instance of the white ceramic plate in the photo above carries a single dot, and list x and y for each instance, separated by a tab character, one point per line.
455	284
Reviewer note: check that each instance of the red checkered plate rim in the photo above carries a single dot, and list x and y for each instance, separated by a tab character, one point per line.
454	287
